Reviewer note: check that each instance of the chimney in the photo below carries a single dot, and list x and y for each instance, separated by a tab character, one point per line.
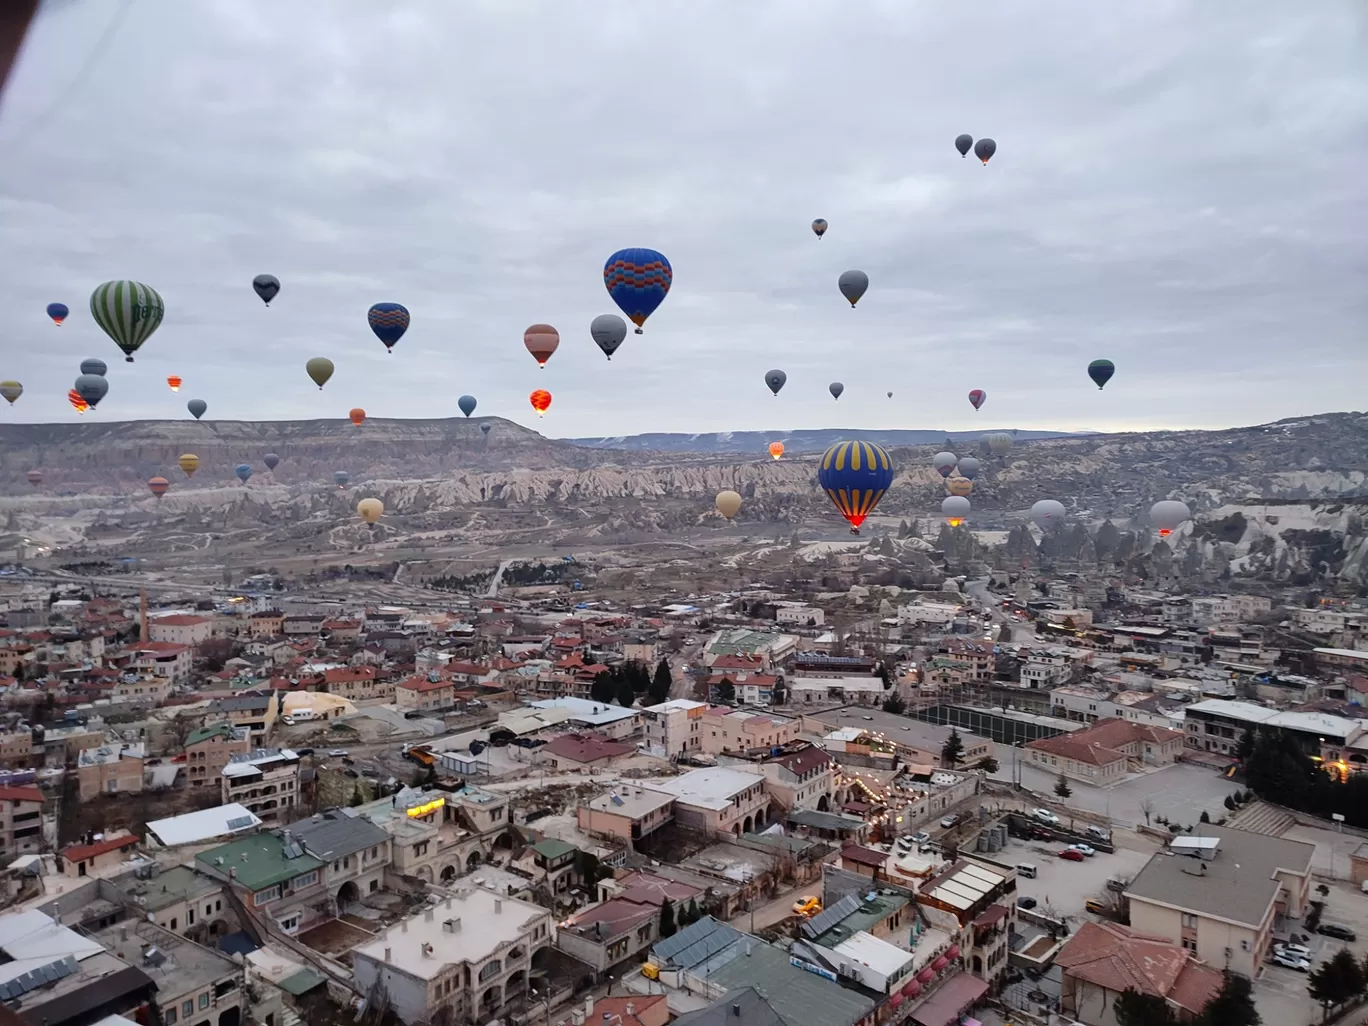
427	915
389	955
142	615
588	1008
736	1008
498	906
631	1009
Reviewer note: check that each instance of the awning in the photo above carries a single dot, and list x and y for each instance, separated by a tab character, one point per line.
953	952
911	989
926	975
954	997
940	963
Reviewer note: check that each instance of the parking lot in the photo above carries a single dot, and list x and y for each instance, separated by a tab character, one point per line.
1061	887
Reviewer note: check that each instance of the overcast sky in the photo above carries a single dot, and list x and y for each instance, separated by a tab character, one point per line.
1178	186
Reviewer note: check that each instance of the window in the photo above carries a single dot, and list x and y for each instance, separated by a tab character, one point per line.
304	880
187	1009
204	1000
1189	921
169	1016
260	898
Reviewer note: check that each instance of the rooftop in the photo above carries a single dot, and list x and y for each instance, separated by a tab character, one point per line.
594	713
258	861
106	844
860	915
877	954
897	729
203	824
170	887
178	966
220	730
712	787
799	997
587	748
331	835
1118	959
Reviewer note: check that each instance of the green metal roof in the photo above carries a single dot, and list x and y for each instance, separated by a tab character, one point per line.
553	848
223	730
257	861
302	982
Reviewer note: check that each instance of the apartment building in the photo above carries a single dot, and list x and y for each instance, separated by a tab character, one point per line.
674	728
181	629
254	711
174	662
739	730
110	769
209	749
626	813
424	693
16	748
718	800
1105	751
265	781
21	820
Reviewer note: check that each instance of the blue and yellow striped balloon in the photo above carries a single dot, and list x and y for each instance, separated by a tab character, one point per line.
855	476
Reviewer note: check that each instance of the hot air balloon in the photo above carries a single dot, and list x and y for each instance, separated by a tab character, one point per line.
776	449
1168	514
80	405
944	462
984	149
271	460
189	463
389	321
92	388
968	467
58	312
128	312
608	331
959	486
964	143
835	388
955	509
11	390
357	415
638	280
1048	514
541	401
485	427
197	408
855	476
243	472
158	486
370	510
819	227
727	503
999	442
35	477
853	285
94	365
466	404
977	396
174	382
1101	372
541	340
266	286
775	379
890	395
319	369
340	478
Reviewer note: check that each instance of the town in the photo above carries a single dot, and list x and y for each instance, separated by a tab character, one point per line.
1009	797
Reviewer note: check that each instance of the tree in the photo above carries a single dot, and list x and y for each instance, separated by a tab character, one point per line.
953	749
1205	817
1062	787
1246	746
1146	809
988	764
626	693
778	694
1336	980
667	919
726	691
358	797
894	703
604	688
1233	1004
882	673
1133	1008
661	682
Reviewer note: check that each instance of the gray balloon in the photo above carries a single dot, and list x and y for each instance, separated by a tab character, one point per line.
984	149
608	331
775	379
969	467
266	286
92	388
485	428
963	144
270	459
341	477
835	388
94	365
197	408
853	285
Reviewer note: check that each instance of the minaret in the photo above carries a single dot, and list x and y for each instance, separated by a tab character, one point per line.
142	615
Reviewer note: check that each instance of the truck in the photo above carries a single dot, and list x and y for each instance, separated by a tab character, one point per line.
421	754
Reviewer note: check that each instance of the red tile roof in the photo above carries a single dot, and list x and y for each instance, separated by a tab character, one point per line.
587	748
421	683
800	762
163	648
342	674
1118	959
645	1010
862	856
20	794
81	852
1066	746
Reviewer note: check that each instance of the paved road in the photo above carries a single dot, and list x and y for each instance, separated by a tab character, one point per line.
493	590
775	911
977	591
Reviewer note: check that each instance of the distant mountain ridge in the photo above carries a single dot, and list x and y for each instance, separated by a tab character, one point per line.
816	440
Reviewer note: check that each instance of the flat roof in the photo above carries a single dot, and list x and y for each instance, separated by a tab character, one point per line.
878	954
178	966
585	711
171	886
203	824
632	802
710	788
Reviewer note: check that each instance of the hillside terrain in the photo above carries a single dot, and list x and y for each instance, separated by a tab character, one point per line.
812	441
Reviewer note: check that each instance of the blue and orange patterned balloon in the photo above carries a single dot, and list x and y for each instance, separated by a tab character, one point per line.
389	321
58	312
855	475
638	280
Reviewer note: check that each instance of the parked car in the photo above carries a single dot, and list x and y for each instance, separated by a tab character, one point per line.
1097	833
1338	932
1095	906
1045	816
949	821
1071	855
1294	950
1088	850
338	753
920	837
1027	903
808	905
303	751
1301	965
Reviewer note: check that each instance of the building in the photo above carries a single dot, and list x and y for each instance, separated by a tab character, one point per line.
1102	961
1218	725
357	683
975	902
357	852
181	629
846	690
266	781
627	813
21	820
1106	751
254	711
195	984
277	882
178	899
740	730
717	800
212	824
674	728
209	749
16	747
424	693
610	932
799	615
587	716
175	663
768	648
1220	903
799	776
99	853
110	769
470	954
584	751
915	742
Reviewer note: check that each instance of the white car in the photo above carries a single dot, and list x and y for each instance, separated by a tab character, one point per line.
1085	849
1301	965
949	821
338	753
1292	950
1045	816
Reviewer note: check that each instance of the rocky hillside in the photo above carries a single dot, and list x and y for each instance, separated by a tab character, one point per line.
795	442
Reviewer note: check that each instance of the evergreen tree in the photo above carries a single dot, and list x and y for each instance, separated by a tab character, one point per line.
626	691
604	688
953	750
1133	1008
726	691
894	703
1246	746
1062	787
660	683
667	919
1336	980
358	796
778	694
1233	1005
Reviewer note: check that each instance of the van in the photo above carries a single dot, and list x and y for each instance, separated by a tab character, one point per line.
1026	869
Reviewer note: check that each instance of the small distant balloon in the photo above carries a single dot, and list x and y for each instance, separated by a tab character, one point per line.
977	397
853	285
1048	514
944	462
984	149
890	395
389	321
775	380
466	404
968	467
243	472
158	486
357	415
638	280
266	286
728	503
92	388
11	390
776	449
35	477
370	510
1101	372
964	143
955	509
485	427
541	401
58	312
94	365
835	388
340	478
608	331
189	463
197	408
271	460
541	341
174	382
819	227
319	369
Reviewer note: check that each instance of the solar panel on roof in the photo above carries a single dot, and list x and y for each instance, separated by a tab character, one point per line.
238	822
829	917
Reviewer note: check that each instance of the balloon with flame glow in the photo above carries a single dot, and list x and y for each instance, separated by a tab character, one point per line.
174	382
955	509
855	476
541	401
1168	515
776	449
357	415
541	341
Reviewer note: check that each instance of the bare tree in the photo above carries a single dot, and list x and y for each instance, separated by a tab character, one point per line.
1147	807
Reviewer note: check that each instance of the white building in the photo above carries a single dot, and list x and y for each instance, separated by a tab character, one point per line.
839	690
933	613
266	781
181	629
597	717
470	954
674	728
1228	608
799	615
718	799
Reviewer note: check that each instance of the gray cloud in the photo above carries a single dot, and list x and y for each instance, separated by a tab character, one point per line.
1177	187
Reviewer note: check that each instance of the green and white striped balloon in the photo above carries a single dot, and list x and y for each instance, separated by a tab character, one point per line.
128	311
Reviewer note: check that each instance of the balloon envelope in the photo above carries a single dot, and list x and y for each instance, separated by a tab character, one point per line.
977	397
319	369
855	476
1168	514
197	408
984	149
776	449
541	401
955	508
638	280
999	443
853	285
819	227
266	286
835	388
158	486
189	463
357	415
370	510
968	467
270	459
466	404
92	388
1048	514
11	390
128	312
541	341
35	477
94	365
727	503
1101	372
58	312
959	486
608	331
486	427
389	321
775	379
963	143
243	472
174	382
340	478
944	462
